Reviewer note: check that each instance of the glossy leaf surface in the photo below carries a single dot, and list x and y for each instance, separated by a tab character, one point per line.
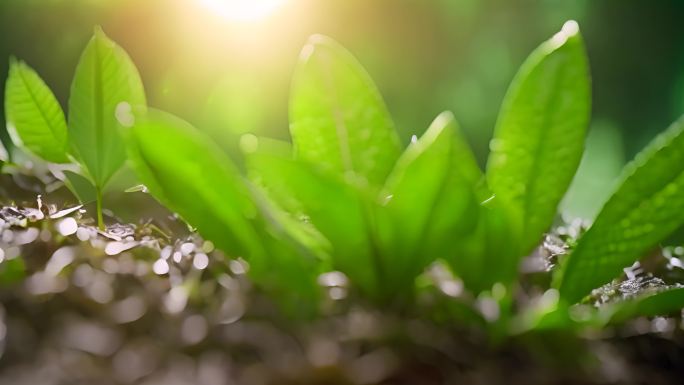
105	90
337	117
647	206
540	132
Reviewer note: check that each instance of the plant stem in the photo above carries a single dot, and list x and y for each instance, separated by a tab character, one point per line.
100	219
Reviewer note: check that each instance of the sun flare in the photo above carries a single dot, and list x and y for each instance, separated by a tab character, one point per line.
243	10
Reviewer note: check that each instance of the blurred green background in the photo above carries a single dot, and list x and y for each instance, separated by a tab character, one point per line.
230	77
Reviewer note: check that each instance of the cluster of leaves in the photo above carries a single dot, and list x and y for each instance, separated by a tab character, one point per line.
346	196
106	85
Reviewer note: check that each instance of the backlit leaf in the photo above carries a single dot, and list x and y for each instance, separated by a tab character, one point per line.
540	132
337	117
338	210
191	175
34	117
647	206
431	202
105	89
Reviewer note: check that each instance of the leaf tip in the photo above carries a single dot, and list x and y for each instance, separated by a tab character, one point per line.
445	118
315	42
569	30
13	61
98	31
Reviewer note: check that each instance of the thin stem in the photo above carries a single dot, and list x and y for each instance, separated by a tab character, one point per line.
100	219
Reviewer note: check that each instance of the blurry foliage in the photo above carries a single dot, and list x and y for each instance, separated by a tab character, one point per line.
460	53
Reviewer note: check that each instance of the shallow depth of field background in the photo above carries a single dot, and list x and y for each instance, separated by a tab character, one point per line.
230	76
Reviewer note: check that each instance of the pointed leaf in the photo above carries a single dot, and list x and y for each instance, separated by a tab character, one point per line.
335	208
432	200
106	86
34	117
190	174
647	206
540	132
337	117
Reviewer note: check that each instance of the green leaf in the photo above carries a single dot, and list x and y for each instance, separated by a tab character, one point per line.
34	117
540	132
432	202
338	210
647	206
80	186
106	86
662	303
490	254
191	175
337	117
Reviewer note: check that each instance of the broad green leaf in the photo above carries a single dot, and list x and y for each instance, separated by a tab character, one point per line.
647	206
337	117
491	253
540	132
192	176
662	303
431	200
282	203
338	210
34	117
105	89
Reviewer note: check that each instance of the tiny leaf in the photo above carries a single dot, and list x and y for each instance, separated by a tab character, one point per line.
34	117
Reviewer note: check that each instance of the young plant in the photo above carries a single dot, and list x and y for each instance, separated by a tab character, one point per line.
106	85
346	194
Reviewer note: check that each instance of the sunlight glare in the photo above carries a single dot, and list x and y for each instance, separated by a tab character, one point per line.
243	10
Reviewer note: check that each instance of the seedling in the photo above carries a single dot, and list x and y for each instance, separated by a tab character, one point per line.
106	84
